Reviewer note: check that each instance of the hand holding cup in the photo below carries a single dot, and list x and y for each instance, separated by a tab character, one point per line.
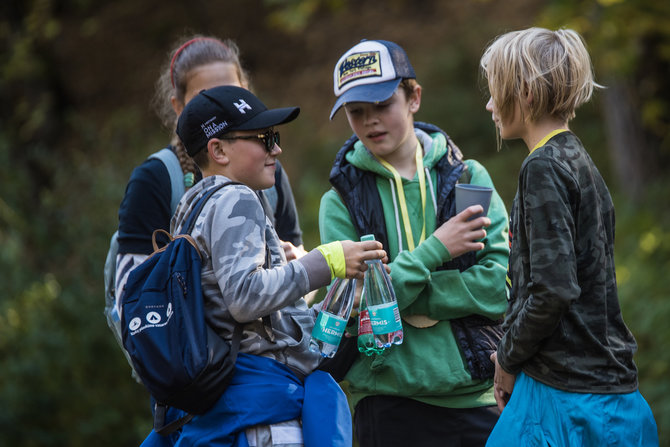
464	231
468	195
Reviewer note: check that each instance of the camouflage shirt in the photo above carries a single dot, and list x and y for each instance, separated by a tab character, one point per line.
246	279
564	325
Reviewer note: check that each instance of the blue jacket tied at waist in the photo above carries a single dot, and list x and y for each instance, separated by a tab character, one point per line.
262	392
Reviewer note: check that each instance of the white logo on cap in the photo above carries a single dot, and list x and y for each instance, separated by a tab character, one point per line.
211	128
242	105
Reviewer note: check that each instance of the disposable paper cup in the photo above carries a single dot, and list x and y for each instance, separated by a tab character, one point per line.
468	195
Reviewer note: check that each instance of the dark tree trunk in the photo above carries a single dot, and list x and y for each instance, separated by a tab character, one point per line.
627	142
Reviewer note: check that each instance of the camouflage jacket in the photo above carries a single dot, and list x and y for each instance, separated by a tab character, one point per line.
246	279
564	325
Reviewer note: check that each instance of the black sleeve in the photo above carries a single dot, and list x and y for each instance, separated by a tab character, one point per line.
286	215
145	207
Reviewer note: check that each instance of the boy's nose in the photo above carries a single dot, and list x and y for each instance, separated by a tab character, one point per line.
276	150
489	105
370	117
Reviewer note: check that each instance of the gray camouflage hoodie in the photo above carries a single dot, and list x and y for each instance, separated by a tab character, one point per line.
235	238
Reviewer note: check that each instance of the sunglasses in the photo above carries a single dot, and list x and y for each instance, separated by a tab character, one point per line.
269	138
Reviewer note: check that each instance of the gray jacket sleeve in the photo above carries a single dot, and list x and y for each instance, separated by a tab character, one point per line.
242	242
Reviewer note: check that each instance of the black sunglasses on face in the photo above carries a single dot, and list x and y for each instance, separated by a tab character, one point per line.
269	138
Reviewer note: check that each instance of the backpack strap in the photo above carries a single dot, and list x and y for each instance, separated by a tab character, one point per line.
160	410
171	162
189	223
163	429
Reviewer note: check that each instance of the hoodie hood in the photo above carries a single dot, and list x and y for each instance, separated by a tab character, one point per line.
434	146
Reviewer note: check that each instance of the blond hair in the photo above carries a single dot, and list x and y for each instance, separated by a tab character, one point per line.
552	67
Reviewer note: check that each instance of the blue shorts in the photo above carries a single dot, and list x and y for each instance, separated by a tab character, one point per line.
539	415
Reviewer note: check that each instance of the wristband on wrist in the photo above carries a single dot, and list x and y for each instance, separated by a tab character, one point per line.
334	255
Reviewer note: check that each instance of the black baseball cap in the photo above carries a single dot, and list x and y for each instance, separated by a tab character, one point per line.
219	110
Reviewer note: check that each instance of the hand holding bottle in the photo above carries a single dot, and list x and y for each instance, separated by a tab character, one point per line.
357	253
379	296
460	235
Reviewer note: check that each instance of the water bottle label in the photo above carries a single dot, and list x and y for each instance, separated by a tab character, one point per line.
329	328
364	323
385	318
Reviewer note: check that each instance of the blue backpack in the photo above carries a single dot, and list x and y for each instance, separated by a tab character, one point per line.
182	361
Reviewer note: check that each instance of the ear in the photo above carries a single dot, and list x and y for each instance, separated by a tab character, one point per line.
218	152
529	98
415	99
177	105
526	94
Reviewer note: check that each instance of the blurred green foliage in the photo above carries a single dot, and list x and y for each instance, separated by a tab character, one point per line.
643	260
76	78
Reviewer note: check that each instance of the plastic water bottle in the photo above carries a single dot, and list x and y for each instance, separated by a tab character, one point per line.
366	339
382	303
332	319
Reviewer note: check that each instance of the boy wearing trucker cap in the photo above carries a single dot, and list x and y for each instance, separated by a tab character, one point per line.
246	280
395	178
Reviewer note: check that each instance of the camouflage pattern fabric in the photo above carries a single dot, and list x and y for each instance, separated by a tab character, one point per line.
564	325
236	240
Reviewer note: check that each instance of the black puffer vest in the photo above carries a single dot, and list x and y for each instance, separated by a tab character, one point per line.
477	336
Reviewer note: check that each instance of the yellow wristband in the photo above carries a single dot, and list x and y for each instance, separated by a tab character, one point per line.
334	254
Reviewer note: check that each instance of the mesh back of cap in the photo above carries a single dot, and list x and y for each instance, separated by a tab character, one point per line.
400	60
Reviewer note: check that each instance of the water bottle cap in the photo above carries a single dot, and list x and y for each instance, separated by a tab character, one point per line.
368	237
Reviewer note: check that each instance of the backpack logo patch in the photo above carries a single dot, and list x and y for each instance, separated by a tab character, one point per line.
153	320
135	323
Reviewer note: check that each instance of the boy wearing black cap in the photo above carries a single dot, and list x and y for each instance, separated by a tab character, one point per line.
395	178
246	279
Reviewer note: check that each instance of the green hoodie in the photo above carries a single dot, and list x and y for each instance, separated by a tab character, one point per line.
428	366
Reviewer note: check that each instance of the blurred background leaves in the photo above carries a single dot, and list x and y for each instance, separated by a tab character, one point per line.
76	81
